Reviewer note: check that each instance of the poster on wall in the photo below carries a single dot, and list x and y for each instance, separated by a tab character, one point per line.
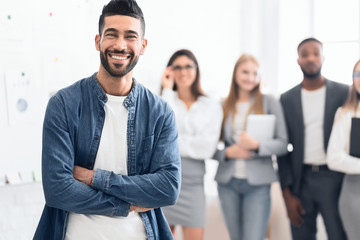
15	25
21	98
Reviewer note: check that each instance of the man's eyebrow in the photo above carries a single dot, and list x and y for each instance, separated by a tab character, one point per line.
132	32
110	30
127	31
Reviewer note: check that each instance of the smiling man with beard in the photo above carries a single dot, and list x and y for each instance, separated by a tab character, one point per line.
110	157
309	187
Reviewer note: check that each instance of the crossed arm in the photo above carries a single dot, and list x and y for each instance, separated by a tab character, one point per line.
64	186
86	176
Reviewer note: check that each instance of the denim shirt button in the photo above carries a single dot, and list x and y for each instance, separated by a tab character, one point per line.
96	137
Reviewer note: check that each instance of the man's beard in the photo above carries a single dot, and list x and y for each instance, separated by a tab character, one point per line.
116	72
311	75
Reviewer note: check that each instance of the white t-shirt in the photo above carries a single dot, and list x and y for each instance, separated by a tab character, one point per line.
313	107
112	156
238	126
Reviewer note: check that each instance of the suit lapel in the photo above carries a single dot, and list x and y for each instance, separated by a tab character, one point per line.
328	114
298	106
328	104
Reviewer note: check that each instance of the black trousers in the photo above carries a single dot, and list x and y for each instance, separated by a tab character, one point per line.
320	192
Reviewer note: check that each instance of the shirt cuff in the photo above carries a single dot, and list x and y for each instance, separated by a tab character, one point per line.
121	208
100	180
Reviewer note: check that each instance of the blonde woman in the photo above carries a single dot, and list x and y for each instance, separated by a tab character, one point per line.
339	159
245	169
198	119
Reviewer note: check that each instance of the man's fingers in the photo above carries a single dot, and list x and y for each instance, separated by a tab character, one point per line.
302	211
296	220
139	209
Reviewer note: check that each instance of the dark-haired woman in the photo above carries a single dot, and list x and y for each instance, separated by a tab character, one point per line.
198	119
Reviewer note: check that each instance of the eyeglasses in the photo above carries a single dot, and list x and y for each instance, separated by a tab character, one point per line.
356	75
188	67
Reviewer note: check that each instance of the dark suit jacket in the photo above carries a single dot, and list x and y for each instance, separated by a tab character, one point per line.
291	165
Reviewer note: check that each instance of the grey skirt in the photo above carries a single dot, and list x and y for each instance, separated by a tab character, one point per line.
349	206
189	210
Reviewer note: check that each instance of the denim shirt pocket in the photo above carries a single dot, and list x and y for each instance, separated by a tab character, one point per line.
147	147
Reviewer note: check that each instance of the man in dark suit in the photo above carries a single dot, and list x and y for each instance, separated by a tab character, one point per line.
309	187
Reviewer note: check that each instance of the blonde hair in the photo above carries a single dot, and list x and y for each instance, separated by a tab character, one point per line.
229	105
352	102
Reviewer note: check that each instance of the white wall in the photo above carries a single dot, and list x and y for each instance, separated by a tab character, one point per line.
52	44
21	207
210	29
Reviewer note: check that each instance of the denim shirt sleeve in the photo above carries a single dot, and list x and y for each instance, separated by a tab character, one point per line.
160	187
61	190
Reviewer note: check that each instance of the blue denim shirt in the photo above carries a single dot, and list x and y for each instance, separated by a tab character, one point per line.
71	135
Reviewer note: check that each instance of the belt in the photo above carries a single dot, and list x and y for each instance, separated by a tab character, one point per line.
316	168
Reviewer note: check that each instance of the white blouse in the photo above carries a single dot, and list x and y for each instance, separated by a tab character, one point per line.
338	157
198	127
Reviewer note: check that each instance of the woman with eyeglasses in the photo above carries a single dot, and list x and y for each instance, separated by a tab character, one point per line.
198	119
343	155
247	157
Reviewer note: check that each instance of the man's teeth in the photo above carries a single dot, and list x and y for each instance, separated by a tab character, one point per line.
119	58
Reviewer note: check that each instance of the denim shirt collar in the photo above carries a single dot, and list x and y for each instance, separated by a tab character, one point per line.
130	100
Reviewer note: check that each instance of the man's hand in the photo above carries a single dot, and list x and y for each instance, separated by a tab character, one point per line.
83	175
236	151
294	208
139	209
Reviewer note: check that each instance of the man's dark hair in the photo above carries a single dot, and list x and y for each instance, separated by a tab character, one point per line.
308	40
122	7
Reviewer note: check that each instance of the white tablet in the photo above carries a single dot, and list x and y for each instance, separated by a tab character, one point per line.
261	126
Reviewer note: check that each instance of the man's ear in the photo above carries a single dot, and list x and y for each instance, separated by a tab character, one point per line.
143	46
97	42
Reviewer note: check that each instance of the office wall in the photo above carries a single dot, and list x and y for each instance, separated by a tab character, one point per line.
44	45
47	44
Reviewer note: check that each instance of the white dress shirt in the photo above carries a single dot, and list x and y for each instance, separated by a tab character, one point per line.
338	157
198	127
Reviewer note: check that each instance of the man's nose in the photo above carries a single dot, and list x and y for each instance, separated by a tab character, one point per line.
311	58
120	43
